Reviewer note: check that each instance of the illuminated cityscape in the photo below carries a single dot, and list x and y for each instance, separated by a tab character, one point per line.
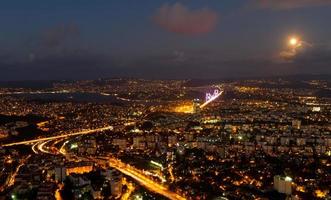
232	140
165	99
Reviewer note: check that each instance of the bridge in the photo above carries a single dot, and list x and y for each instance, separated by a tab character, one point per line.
210	97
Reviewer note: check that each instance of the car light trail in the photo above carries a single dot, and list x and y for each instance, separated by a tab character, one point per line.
42	148
11	180
113	162
129	191
34	148
57	194
143	180
60	136
62	148
170	170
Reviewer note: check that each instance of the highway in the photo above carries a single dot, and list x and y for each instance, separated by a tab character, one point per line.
141	178
134	173
40	146
137	175
84	132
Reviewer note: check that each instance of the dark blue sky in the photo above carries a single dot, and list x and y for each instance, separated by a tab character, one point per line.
78	39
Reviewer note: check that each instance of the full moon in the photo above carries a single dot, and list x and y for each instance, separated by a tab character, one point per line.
293	41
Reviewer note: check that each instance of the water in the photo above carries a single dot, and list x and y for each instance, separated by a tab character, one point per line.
74	97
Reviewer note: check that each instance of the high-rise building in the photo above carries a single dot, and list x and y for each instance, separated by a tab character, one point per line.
296	124
196	105
116	183
283	184
60	173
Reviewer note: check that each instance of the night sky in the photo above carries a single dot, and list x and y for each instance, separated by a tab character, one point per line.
88	39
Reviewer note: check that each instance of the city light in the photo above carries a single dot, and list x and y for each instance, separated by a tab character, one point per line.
157	164
293	41
251	121
211	97
73	146
184	108
60	136
177	100
287	178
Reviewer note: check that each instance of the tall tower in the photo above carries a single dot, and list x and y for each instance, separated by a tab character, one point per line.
196	105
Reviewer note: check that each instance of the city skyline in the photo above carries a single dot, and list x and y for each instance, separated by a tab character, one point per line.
165	100
135	139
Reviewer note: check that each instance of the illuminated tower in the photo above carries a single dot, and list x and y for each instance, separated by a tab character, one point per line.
196	105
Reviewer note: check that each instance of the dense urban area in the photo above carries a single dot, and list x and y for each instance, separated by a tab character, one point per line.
166	139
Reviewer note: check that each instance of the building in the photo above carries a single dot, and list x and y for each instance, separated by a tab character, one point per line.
196	105
172	140
60	173
115	183
121	143
46	191
79	168
283	184
296	124
139	142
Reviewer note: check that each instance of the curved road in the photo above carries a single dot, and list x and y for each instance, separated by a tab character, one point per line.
60	136
40	144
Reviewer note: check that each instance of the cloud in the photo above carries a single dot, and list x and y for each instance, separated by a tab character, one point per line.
314	58
56	52
180	19
291	4
292	51
58	41
288	54
57	35
70	66
315	54
179	56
